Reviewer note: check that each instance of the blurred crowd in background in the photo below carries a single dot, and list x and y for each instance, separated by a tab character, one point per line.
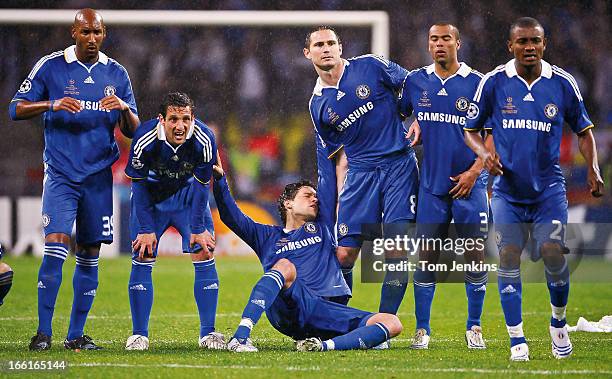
252	85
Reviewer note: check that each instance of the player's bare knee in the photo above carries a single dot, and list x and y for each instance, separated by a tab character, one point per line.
287	269
347	255
552	254
510	257
88	250
204	255
58	238
391	322
144	259
4	268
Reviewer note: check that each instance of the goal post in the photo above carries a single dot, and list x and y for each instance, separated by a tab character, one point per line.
378	21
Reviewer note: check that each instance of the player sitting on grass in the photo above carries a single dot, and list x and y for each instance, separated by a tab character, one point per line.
302	285
170	165
6	277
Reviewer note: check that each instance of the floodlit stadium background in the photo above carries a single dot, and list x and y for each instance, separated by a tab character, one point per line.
252	86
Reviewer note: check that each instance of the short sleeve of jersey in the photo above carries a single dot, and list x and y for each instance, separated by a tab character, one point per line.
33	88
479	111
575	113
138	166
393	75
405	105
208	146
127	94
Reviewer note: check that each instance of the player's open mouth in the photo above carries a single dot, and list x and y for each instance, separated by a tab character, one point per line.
179	134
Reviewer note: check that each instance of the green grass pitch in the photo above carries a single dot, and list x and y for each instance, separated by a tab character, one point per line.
174	330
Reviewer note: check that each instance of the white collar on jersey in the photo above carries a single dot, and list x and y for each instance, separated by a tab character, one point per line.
318	89
464	70
161	133
70	55
546	69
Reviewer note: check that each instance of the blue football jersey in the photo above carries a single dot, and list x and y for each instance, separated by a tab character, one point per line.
361	113
526	122
440	107
80	144
311	248
165	168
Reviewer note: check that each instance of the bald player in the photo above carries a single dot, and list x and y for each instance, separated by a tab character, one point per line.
81	95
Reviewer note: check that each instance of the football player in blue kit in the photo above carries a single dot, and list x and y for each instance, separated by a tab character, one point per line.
527	101
170	166
82	95
453	184
302	287
354	107
6	277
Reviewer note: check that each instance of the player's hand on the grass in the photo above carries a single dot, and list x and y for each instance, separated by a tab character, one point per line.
203	239
68	104
414	132
113	102
595	182
465	182
218	172
145	245
492	163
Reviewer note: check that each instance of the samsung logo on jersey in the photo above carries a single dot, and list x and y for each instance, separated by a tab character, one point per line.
526	124
92	106
299	244
354	115
441	117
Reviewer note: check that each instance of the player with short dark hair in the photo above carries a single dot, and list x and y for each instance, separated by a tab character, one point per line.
302	285
6	277
82	95
527	101
170	166
453	184
354	110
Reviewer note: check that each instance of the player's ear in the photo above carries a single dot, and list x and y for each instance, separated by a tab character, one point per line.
287	204
73	32
307	53
458	44
340	48
544	43
161	119
509	46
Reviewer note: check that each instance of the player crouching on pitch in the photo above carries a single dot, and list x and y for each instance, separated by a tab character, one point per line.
170	166
302	286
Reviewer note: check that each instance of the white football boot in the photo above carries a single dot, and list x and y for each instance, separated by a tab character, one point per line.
246	347
137	342
519	353
309	344
213	341
474	339
561	344
420	341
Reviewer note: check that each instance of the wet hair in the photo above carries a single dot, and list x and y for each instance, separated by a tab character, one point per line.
175	99
453	28
524	22
289	193
318	29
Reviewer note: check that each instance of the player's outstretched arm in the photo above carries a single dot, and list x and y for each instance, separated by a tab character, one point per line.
244	227
588	149
27	109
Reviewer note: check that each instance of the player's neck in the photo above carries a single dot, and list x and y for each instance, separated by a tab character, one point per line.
293	223
332	77
529	73
446	70
83	58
